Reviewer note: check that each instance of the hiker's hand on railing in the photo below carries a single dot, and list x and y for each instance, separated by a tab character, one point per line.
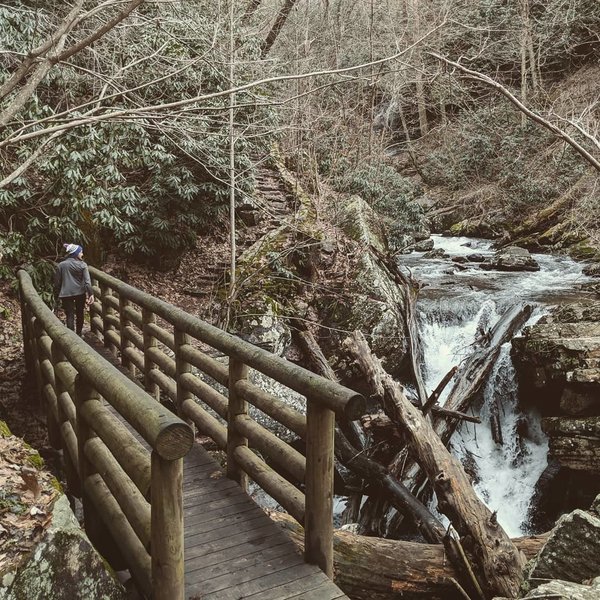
90	300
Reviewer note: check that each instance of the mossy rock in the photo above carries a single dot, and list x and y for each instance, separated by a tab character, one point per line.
63	566
362	224
473	227
4	430
583	250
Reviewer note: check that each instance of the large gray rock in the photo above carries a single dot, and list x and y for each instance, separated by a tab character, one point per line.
63	566
375	302
572	552
511	258
565	590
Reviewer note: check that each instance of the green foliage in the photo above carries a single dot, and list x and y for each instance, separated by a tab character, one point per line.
144	186
388	192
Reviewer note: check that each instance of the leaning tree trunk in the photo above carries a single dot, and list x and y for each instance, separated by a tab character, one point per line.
282	16
498	563
474	372
370	568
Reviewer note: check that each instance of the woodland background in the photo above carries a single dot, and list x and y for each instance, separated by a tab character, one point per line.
119	130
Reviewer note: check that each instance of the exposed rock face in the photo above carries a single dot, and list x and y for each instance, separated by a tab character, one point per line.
63	566
557	361
376	302
572	552
511	258
592	270
575	443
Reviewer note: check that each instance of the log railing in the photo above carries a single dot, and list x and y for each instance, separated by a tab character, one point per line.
171	350
131	489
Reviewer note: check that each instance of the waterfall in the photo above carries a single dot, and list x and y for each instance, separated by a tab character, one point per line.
508	471
504	474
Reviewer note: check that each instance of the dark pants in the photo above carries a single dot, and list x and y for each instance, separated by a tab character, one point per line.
74	307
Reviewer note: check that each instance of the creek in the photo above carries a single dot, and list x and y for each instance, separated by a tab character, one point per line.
459	302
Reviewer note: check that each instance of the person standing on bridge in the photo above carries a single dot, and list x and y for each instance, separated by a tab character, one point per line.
72	285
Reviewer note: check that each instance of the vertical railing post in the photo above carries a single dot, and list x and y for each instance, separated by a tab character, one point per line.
182	367
106	292
166	507
318	522
93	310
236	406
125	342
150	341
73	481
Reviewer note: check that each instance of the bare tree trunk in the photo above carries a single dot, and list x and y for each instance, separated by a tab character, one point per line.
412	11
284	13
232	232
524	35
499	564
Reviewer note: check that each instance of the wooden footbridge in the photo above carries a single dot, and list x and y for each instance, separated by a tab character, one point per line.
154	500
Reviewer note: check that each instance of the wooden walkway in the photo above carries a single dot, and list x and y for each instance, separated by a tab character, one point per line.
233	550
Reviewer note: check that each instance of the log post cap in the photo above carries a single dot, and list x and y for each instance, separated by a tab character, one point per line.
355	407
174	440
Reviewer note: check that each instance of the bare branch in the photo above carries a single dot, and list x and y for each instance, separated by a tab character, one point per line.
133	112
67	24
527	111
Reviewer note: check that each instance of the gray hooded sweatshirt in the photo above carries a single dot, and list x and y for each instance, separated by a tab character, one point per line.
72	279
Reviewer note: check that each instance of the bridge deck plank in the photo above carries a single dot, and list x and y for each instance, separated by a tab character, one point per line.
233	551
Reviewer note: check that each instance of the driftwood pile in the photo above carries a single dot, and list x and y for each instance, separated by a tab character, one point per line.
479	560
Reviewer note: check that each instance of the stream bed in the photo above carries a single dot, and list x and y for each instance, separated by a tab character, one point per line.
458	302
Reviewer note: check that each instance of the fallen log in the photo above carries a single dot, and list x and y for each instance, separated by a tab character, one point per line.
498	565
360	464
435	395
375	474
474	371
384	429
370	568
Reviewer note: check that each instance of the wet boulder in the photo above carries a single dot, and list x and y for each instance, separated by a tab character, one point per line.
572	551
436	253
421	246
475	257
511	258
592	270
566	590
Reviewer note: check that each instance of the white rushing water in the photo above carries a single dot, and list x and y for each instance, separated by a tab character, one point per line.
456	306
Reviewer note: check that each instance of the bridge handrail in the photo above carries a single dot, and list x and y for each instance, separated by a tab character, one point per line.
166	433
136	497
145	339
334	396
